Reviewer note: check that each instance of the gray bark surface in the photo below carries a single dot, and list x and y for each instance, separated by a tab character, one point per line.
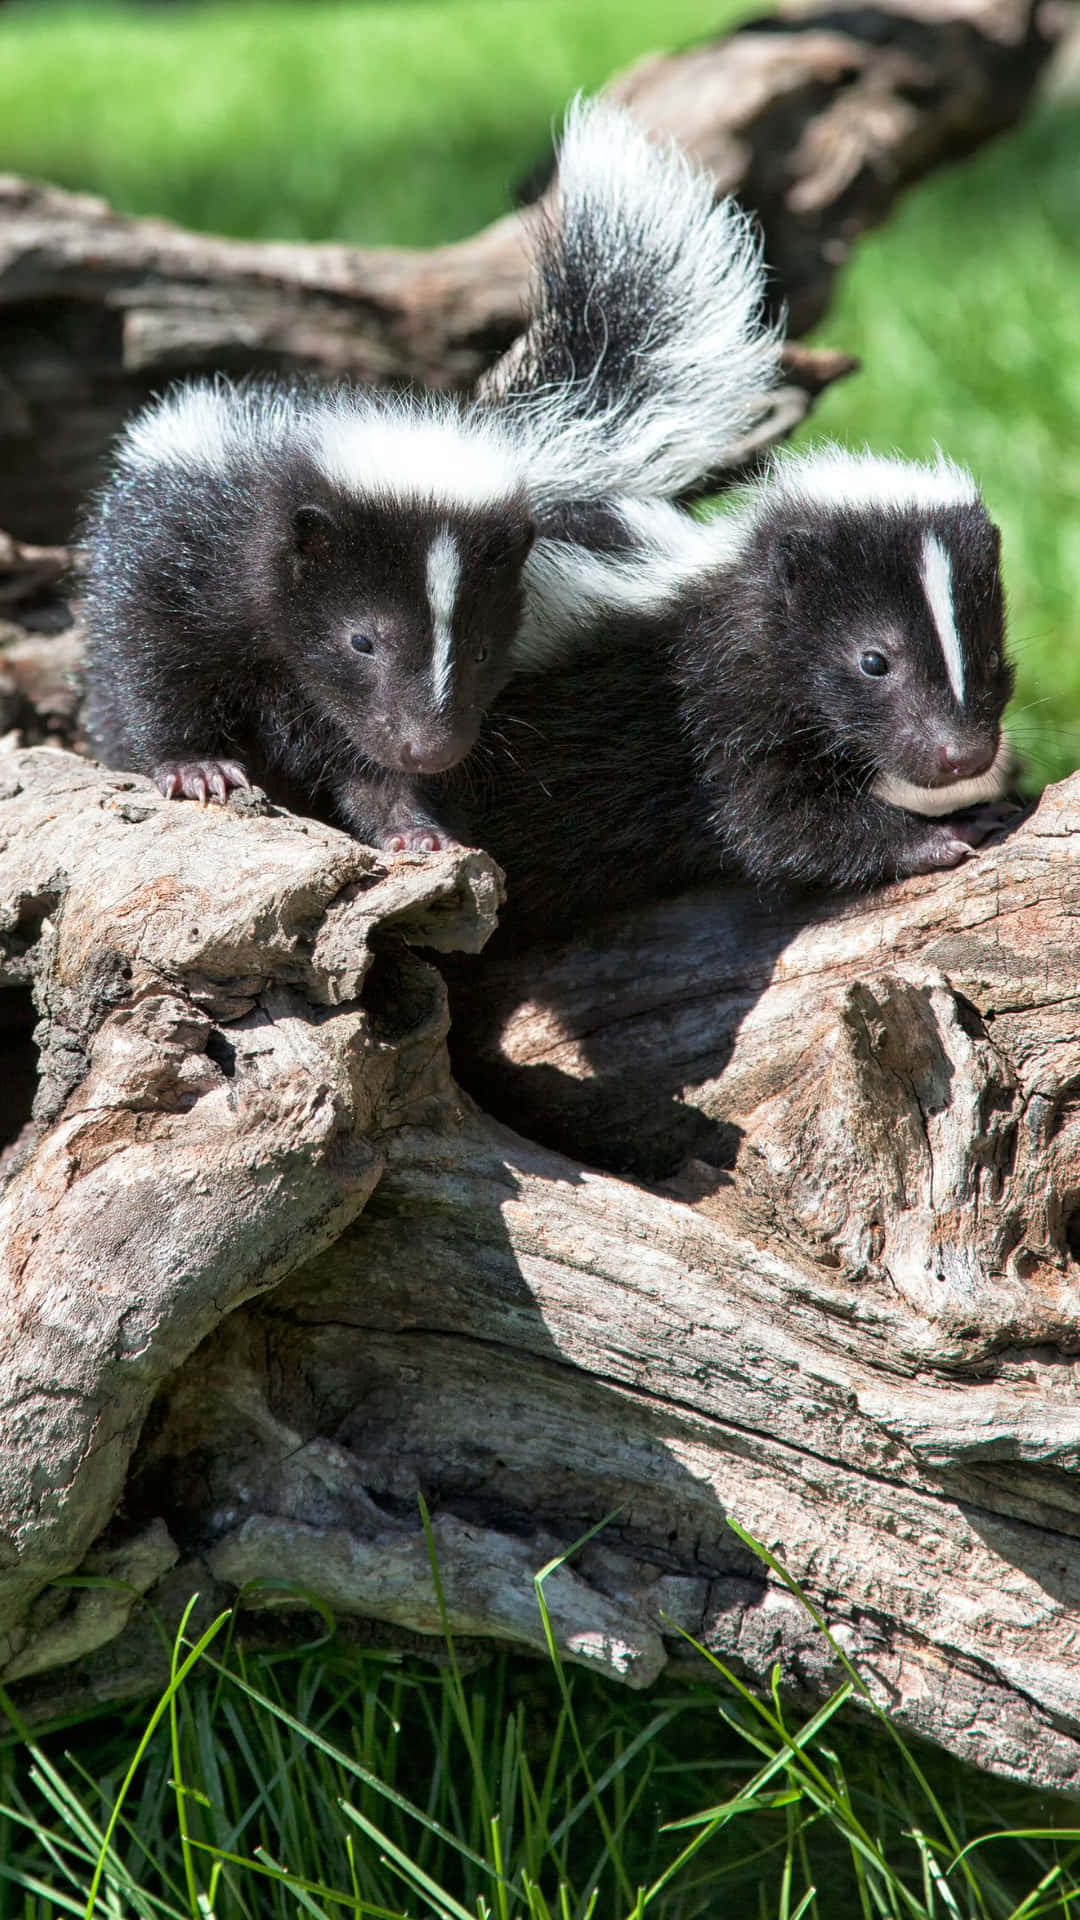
272	1274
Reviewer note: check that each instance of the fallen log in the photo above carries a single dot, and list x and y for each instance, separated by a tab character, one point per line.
817	117
168	1167
272	1276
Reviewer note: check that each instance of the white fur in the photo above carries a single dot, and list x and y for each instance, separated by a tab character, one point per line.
841	480
204	425
421	450
834	476
443	580
570	589
936	572
372	445
710	361
935	801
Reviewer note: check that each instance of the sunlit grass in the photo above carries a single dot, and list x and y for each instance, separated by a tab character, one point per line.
334	1782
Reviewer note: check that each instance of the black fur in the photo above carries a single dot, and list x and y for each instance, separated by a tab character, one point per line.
222	609
737	734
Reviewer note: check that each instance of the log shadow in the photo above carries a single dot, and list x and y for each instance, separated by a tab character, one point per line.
418	1356
18	1067
644	1008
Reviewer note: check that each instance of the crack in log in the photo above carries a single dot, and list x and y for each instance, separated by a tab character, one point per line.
721	1427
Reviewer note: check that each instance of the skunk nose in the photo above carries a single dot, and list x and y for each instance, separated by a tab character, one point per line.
961	763
419	757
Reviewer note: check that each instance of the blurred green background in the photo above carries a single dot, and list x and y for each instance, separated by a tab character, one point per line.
408	122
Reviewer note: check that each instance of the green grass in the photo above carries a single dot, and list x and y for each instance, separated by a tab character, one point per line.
380	121
335	1782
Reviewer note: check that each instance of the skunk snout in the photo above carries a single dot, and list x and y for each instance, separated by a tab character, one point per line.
965	760
434	756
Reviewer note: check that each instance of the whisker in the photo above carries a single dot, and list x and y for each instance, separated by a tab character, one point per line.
515	720
1029	704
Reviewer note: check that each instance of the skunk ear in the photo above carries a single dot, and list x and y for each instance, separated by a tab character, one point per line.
314	532
795	552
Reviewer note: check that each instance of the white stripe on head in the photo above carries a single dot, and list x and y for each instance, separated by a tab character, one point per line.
936	572
205	425
386	446
371	445
443	580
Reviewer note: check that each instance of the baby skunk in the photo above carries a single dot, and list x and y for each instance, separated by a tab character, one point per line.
815	706
323	591
316	591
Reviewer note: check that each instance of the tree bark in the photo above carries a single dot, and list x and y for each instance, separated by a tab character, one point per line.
274	1275
818	118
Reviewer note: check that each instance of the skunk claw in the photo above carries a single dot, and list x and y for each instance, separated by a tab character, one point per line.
201	780
422	838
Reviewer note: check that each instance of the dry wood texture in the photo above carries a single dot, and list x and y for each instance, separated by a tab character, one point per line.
268	1274
818	118
271	1275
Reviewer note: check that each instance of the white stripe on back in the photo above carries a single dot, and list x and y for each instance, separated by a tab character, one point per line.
443	579
937	581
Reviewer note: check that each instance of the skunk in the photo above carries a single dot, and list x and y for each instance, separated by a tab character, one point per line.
323	590
317	591
819	703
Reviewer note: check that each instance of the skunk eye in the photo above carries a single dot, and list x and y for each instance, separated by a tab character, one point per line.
994	661
481	653
873	664
361	643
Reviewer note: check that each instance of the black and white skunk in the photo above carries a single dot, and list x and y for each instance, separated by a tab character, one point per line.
323	591
315	591
820	704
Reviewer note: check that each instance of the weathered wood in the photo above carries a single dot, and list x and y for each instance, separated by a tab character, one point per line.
41	643
818	118
274	1276
170	1169
892	1079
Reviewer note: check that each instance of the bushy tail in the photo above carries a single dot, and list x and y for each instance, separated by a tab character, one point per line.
647	357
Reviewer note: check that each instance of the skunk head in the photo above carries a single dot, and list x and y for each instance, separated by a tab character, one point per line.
397	617
884	618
